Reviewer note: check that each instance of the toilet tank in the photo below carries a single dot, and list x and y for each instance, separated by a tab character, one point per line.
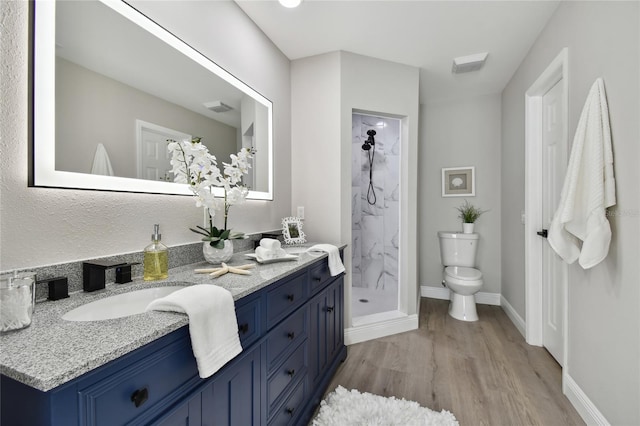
458	249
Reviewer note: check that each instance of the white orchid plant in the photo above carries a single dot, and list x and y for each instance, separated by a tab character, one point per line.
194	165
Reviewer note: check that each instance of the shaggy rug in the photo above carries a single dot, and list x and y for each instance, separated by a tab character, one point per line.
352	408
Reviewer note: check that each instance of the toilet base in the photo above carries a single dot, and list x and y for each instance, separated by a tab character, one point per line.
463	308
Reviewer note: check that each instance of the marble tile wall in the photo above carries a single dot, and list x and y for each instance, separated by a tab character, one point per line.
375	227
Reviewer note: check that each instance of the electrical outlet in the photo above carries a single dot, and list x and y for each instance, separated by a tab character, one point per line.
300	212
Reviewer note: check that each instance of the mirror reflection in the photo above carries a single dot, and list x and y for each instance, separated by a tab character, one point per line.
121	92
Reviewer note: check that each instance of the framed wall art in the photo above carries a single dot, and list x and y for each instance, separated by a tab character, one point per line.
458	182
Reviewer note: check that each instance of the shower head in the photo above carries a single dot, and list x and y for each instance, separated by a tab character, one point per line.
371	140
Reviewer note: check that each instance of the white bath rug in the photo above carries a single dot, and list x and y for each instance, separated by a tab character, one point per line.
352	408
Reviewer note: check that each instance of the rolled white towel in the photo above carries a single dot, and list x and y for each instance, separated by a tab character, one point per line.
264	254
270	244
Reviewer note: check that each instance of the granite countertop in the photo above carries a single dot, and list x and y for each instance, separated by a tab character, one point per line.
52	351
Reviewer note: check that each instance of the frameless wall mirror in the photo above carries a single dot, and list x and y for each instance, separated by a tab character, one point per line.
111	86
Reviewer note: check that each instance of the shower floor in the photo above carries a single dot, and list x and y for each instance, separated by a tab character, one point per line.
366	301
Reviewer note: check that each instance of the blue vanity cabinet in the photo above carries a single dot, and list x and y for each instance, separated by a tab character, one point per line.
231	397
292	337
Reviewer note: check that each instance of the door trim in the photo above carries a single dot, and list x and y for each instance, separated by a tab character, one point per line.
141	126
556	71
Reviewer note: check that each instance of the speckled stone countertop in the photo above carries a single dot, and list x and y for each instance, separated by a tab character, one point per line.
52	351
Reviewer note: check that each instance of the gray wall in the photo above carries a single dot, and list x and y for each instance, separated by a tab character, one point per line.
457	134
604	302
42	226
92	108
325	91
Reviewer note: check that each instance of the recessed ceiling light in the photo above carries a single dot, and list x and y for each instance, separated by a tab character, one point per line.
290	3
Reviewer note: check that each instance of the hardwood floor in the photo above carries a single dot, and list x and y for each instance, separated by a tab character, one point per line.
483	372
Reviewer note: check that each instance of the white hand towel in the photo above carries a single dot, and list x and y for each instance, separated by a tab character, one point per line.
101	162
212	323
589	188
264	254
270	244
336	266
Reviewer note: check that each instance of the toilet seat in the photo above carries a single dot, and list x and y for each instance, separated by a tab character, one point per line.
462	273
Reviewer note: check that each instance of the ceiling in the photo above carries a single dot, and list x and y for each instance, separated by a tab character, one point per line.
422	33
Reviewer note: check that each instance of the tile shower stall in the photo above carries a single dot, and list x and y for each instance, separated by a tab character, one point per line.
375	210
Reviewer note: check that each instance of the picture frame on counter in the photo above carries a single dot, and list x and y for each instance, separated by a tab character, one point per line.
292	231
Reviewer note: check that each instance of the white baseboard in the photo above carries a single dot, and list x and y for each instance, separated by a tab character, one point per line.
375	330
443	294
513	316
581	402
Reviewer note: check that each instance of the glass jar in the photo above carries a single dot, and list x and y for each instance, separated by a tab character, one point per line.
17	300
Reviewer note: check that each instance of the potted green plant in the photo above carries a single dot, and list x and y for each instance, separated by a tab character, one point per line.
469	214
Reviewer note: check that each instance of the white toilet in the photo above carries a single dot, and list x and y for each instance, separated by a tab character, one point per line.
458	255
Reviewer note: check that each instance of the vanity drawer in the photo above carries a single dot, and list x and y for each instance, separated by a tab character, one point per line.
285	298
293	367
287	413
319	276
152	383
286	336
249	324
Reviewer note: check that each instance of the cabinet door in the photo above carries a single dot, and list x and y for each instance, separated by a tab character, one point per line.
186	414
335	318
327	328
234	396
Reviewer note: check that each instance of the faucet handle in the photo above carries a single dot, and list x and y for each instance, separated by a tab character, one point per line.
93	274
123	272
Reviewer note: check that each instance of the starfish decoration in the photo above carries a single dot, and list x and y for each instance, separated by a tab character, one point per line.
218	272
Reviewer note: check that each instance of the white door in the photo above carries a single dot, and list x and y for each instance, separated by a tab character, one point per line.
554	164
153	156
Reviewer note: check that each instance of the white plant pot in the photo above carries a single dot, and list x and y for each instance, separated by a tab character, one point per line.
467	228
215	255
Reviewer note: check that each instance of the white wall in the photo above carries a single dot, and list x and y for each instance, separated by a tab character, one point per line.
315	133
460	133
41	226
604	302
325	90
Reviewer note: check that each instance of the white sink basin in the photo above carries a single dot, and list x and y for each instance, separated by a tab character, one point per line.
118	306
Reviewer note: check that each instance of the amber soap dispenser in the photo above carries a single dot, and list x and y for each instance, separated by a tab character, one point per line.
156	258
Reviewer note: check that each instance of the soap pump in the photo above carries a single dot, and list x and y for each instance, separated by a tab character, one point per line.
156	258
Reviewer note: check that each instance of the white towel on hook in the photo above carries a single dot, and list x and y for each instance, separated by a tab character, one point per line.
589	188
213	326
336	266
101	163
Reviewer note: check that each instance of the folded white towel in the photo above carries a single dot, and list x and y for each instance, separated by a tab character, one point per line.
589	188
336	266
212	323
101	163
266	254
270	244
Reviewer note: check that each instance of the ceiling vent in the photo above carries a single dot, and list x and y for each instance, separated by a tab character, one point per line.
469	63
217	106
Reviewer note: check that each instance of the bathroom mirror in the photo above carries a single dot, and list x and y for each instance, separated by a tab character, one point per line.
110	86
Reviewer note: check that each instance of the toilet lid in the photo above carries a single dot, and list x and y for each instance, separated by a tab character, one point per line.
462	273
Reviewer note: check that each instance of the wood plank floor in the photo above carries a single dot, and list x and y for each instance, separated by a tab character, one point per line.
483	372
